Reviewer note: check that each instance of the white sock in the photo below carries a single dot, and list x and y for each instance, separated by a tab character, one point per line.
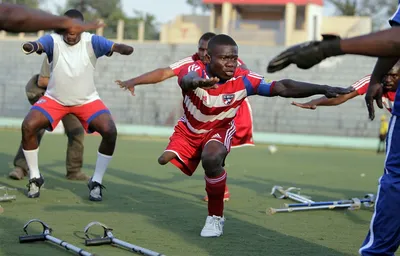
101	167
31	157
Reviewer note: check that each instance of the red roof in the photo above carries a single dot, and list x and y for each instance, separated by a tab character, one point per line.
265	2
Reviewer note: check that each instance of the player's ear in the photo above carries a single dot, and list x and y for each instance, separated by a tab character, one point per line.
207	58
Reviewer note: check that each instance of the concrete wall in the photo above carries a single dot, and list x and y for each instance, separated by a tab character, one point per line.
346	26
160	104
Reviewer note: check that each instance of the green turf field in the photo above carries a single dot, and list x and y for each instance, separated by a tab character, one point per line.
159	208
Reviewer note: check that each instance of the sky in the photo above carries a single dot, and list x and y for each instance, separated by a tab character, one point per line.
162	11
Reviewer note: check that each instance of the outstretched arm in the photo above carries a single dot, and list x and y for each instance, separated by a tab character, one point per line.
152	77
288	88
31	47
43	44
384	43
324	101
17	18
104	47
122	49
380	44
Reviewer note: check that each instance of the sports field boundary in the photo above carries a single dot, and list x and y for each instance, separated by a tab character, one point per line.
259	137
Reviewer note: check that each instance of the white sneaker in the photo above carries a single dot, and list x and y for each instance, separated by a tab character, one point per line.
214	226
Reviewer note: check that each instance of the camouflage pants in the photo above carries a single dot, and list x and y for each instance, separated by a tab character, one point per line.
73	129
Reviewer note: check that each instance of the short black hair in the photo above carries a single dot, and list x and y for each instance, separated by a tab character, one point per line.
207	36
220	39
74	14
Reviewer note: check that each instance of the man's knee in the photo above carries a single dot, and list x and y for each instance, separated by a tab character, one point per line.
212	163
29	127
109	133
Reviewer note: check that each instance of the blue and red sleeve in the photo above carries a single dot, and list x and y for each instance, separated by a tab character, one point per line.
256	85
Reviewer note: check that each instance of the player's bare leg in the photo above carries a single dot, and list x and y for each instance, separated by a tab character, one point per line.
32	124
104	125
212	159
166	157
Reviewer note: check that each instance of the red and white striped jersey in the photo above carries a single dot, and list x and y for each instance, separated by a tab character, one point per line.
178	66
361	87
207	109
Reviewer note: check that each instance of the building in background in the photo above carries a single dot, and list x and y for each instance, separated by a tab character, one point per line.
264	22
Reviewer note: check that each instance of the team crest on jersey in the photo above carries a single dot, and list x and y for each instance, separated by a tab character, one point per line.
228	98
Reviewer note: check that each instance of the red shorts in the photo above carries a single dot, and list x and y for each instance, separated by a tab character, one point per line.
244	126
188	146
54	111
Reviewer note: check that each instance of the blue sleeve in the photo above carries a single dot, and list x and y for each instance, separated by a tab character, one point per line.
394	21
101	46
48	44
264	89
258	87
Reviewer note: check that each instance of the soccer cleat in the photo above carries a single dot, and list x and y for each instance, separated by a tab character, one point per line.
34	186
95	189
227	195
214	226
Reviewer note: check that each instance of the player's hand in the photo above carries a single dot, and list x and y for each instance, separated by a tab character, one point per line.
307	54
126	86
333	92
306	105
210	83
374	92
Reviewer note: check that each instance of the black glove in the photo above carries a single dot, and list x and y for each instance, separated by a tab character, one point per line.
307	54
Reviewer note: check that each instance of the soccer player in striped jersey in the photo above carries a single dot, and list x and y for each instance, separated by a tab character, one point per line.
243	120
389	82
212	95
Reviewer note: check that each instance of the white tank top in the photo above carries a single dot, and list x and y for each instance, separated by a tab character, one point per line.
72	72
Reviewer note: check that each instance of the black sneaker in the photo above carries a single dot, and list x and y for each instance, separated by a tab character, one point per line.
95	189
34	187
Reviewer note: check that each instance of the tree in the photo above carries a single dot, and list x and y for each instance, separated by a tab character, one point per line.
29	3
196	4
111	12
345	7
150	31
378	10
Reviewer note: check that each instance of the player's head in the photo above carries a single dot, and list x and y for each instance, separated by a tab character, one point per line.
72	38
222	55
203	42
391	79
